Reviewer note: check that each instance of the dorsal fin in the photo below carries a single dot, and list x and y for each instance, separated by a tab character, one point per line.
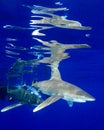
55	73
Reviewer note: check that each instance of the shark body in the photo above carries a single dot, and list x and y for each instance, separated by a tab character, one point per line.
59	89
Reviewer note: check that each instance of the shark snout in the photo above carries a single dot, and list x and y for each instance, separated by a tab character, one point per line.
90	98
85	96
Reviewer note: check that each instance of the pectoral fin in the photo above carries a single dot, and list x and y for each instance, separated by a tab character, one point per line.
47	102
70	103
11	107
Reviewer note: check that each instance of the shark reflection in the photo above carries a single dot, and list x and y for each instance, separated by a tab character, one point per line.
54	19
45	18
57	50
41	9
59	21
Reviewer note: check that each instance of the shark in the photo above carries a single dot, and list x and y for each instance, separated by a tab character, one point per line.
23	96
56	87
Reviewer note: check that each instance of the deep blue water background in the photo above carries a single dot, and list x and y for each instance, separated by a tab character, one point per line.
84	68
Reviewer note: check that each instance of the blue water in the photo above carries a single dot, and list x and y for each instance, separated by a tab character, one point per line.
84	68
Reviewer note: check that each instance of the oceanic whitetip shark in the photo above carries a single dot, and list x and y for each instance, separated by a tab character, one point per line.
55	87
24	97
